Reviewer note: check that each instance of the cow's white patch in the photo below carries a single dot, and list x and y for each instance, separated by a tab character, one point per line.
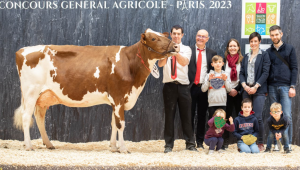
117	110
112	69
118	54
157	33
31	49
97	73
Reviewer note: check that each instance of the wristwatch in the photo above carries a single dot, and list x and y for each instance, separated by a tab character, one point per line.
292	86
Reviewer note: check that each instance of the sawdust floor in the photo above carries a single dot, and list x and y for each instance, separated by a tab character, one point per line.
143	154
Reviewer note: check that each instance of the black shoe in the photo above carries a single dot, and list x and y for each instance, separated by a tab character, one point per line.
287	150
268	150
167	150
200	145
224	147
192	149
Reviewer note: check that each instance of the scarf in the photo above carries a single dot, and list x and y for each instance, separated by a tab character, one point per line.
232	64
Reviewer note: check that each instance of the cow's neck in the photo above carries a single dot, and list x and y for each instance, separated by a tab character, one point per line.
139	70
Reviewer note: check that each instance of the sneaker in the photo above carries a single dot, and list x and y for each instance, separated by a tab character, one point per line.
279	145
276	149
221	151
168	149
290	147
287	150
261	147
268	150
210	152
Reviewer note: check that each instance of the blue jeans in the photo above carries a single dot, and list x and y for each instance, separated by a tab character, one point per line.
247	148
280	94
285	139
258	102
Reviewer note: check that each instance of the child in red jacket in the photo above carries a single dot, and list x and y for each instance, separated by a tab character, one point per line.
213	136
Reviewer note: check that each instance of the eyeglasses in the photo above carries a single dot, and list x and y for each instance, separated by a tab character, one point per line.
276	112
201	37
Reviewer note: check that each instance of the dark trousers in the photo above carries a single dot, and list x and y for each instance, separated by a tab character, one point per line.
258	102
213	142
199	101
233	107
173	94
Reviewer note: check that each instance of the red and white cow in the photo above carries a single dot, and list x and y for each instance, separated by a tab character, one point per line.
83	76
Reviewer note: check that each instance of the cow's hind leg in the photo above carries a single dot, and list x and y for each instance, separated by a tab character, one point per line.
113	138
40	114
30	97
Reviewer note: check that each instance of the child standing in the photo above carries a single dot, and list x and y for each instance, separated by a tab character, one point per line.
278	125
217	82
213	136
246	123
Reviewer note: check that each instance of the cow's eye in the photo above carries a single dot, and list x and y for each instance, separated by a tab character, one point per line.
153	39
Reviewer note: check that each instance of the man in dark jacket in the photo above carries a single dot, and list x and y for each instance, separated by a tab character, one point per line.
199	66
283	75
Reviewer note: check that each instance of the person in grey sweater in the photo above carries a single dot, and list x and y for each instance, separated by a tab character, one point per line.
217	82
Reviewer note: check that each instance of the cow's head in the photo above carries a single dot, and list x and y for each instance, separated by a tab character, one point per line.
158	44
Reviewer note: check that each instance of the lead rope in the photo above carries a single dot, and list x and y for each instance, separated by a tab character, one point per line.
142	61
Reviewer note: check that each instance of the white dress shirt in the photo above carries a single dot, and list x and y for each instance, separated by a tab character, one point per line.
182	71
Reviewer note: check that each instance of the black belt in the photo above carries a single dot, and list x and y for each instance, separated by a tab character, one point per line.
199	85
175	82
250	85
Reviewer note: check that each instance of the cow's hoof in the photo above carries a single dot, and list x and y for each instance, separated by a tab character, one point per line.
114	149
125	151
51	147
29	149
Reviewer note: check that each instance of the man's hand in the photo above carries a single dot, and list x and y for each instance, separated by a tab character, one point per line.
278	136
224	77
292	92
230	120
233	92
252	90
211	76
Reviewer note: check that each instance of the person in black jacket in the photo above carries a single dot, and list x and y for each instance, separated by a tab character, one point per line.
283	75
198	68
245	124
278	125
253	77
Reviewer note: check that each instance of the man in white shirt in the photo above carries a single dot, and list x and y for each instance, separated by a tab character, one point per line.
176	90
197	71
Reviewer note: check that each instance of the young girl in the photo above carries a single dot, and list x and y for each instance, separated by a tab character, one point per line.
213	136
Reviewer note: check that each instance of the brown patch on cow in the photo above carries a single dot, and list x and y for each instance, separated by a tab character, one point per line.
52	72
19	60
32	59
47	98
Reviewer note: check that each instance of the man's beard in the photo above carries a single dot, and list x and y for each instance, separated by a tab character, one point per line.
277	41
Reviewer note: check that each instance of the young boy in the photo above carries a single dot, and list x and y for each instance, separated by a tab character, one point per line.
218	85
245	124
278	125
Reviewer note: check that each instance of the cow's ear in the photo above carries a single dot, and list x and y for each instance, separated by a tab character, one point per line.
143	38
166	34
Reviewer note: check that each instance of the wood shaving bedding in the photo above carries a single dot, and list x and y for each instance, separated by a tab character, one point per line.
145	153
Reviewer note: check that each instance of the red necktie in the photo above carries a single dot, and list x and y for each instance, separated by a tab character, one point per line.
199	62
173	68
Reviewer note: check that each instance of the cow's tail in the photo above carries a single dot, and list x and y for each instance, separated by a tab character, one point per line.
18	117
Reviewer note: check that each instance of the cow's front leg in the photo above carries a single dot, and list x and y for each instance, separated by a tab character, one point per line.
120	123
113	138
